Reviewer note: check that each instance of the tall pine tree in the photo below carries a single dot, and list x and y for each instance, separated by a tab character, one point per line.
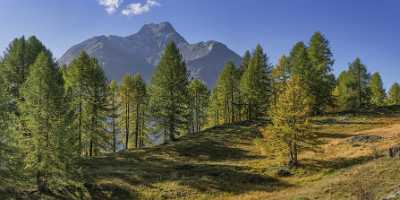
43	112
199	95
359	81
256	84
246	60
226	94
168	92
352	88
290	115
280	75
323	81
377	91
113	107
125	96
394	94
86	86
139	103
19	56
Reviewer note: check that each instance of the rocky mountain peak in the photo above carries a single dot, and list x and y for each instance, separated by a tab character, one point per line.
141	52
163	27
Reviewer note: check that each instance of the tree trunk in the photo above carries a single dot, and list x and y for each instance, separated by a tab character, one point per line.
249	111
114	136
126	125
142	129
91	148
232	108
80	129
137	126
41	182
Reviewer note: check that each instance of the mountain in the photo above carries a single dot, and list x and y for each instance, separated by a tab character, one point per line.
141	52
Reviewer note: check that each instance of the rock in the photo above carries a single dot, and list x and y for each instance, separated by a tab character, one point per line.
364	139
284	171
394	151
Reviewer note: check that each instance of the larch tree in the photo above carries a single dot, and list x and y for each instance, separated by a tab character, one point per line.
323	82
226	94
126	96
86	87
43	112
96	137
75	76
256	84
280	75
290	116
214	108
113	115
245	63
394	94
15	65
352	88
139	100
342	92
246	60
377	91
199	95
10	154
168	93
358	84
18	57
133	96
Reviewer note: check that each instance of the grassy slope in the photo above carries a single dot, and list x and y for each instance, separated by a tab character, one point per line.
232	162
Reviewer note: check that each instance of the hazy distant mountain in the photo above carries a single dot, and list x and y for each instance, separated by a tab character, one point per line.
141	52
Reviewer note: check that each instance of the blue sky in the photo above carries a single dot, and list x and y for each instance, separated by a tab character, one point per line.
369	29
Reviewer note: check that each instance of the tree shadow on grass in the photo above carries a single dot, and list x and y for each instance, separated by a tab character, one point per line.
336	164
333	135
225	178
186	163
211	150
334	121
201	177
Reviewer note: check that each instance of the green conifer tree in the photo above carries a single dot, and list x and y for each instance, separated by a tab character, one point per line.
43	112
358	84
168	93
377	91
114	105
342	92
246	60
226	94
323	82
126	95
199	95
18	57
139	102
86	86
394	94
280	75
290	117
256	84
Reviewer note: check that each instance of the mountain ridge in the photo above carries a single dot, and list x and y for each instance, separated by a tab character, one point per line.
140	53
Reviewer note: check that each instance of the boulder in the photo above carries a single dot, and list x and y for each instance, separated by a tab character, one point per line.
284	171
364	139
394	151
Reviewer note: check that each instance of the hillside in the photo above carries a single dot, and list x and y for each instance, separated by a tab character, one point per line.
234	162
231	162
